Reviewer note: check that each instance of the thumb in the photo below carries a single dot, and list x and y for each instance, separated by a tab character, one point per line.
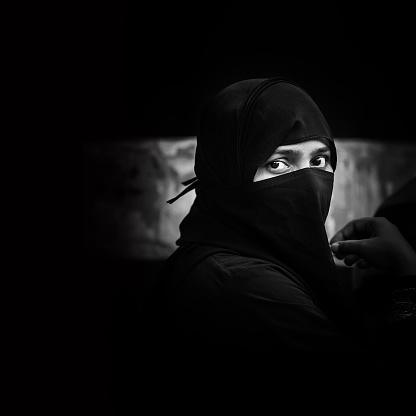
345	248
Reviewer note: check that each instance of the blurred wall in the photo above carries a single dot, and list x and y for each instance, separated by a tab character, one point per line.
127	184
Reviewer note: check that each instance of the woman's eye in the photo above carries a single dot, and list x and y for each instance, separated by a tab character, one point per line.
277	166
319	162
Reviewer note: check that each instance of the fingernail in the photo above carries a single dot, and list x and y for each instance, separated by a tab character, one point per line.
335	247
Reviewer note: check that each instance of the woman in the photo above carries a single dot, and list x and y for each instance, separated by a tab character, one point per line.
252	292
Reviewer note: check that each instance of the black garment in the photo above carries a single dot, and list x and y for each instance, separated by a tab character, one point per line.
280	220
252	291
246	319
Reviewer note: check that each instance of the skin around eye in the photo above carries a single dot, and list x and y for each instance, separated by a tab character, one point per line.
320	162
277	167
289	158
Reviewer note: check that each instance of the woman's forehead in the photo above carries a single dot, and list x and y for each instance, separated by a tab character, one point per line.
309	146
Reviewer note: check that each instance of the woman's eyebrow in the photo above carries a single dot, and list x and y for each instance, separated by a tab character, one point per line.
297	152
321	150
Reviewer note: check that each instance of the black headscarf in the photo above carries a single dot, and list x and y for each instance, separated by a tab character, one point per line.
281	219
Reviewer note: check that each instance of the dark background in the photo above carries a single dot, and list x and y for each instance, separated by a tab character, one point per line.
147	69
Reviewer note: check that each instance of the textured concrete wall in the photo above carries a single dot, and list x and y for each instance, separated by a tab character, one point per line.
126	185
367	173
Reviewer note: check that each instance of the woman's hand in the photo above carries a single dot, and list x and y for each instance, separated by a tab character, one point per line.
377	242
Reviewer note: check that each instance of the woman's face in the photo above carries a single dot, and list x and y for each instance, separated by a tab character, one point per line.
312	154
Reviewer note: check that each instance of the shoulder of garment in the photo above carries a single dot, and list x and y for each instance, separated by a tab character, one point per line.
231	276
240	306
253	302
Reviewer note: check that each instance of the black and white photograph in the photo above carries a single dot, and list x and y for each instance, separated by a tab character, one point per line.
249	195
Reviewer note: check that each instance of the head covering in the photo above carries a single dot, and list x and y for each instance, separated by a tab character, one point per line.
281	219
246	122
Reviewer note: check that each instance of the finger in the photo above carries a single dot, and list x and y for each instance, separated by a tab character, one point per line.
351	260
338	236
345	248
335	251
358	228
